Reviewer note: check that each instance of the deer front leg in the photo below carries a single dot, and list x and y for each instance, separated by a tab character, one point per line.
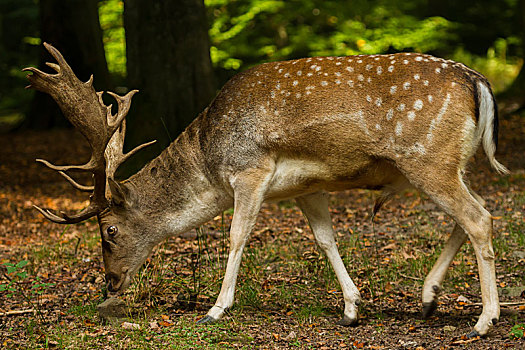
315	208
249	189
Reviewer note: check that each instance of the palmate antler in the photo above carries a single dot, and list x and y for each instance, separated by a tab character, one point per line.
84	108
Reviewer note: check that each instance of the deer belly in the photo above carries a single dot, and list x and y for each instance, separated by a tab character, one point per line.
294	177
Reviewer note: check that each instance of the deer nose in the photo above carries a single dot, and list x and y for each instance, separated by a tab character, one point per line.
111	280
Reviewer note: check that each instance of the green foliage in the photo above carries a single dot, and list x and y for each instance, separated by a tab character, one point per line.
18	282
113	35
517	331
245	32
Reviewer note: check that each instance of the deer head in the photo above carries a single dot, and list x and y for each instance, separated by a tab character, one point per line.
112	202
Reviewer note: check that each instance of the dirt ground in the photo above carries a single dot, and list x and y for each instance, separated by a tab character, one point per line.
57	291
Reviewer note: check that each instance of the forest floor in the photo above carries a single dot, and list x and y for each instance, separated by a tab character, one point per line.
287	296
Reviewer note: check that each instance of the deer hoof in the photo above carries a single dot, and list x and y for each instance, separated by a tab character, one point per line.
429	308
347	321
207	320
473	334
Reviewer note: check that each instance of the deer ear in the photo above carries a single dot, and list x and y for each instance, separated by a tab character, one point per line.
119	193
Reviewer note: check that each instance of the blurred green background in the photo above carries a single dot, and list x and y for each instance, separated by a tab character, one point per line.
487	35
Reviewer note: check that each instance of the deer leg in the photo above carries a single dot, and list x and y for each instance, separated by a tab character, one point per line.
434	279
249	192
456	200
315	208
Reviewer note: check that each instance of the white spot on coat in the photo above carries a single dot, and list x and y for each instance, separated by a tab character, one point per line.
411	115
419	58
324	83
430	98
350	69
405	61
368	98
286	75
399	128
438	70
391	69
368	66
393	89
295	82
389	114
299	73
406	85
379	70
416	76
418	105
378	102
401	107
360	77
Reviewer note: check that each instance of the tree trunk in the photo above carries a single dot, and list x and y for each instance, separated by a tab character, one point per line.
74	29
168	60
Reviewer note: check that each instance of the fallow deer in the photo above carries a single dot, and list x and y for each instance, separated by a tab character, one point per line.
293	129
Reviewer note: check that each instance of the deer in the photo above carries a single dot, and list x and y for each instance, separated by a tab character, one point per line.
295	129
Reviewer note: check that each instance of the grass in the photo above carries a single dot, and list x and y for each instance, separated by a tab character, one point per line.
285	282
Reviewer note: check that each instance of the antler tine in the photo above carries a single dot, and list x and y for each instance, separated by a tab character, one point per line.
75	184
124	103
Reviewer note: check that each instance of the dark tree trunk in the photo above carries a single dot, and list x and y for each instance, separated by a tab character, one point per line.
74	29
168	60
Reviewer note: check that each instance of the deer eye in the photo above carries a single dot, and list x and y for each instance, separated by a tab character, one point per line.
112	230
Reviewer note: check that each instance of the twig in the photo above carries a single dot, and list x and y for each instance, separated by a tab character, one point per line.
515	303
412	278
17	312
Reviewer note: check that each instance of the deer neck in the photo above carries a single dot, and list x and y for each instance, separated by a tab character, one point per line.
176	190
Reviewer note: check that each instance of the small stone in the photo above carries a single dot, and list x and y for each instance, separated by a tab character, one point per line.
129	325
449	328
111	309
462	299
520	254
290	336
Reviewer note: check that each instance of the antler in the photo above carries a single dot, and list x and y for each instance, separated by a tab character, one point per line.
84	108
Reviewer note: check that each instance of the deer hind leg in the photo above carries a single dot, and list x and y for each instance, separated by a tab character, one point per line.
453	196
434	279
315	208
249	189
